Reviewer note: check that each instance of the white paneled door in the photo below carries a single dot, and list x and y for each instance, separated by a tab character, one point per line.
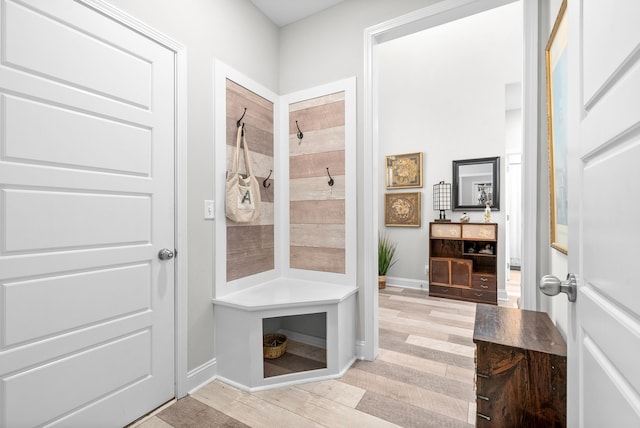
604	156
86	204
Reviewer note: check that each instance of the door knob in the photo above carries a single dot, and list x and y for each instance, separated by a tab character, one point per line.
165	254
552	286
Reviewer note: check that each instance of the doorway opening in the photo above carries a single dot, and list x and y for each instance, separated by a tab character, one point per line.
377	35
460	99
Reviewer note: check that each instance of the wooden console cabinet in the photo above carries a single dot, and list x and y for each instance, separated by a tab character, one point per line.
521	369
463	261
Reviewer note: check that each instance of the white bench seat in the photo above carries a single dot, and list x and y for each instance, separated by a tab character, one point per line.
286	293
239	320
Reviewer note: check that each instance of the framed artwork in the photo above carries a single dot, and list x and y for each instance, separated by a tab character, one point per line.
402	209
404	171
558	129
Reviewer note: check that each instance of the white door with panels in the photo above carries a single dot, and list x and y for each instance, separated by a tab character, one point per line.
86	208
604	152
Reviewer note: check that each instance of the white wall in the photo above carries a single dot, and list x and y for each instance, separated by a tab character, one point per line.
235	32
442	92
329	45
513	131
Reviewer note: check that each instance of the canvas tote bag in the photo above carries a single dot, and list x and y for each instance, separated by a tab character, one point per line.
242	194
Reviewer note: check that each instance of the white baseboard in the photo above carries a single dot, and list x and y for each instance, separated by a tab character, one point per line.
424	285
347	367
304	338
202	375
286	383
361	351
408	283
360	345
237	385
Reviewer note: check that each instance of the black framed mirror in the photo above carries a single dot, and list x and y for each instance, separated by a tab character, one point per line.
476	182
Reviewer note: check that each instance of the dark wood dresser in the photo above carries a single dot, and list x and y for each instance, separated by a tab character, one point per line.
463	261
521	369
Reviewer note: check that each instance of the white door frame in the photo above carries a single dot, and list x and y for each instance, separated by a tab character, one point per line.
180	190
438	14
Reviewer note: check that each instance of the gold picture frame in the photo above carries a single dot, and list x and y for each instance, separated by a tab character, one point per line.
556	59
403	171
402	209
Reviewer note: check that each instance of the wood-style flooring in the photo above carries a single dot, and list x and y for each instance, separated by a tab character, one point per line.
423	377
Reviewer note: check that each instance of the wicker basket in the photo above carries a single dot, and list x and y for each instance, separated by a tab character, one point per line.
274	345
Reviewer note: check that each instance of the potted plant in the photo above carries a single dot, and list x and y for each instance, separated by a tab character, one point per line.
386	258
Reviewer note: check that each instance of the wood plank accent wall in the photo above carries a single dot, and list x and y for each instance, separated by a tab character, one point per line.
317	210
250	246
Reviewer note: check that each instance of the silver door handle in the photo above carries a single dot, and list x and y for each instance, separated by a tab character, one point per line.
165	254
552	286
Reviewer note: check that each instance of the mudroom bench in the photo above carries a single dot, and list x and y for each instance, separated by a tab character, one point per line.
318	314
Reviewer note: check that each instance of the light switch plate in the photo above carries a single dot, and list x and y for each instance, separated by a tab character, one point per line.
209	210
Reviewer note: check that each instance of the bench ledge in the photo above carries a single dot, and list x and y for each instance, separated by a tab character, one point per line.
286	293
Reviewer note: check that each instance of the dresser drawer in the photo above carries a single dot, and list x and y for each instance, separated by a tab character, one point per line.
484	411
520	369
480	295
484	281
438	290
486	232
445	230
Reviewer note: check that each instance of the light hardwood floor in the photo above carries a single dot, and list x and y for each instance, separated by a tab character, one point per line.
423	377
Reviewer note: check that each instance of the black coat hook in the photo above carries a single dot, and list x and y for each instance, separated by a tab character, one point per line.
241	117
330	182
300	135
265	183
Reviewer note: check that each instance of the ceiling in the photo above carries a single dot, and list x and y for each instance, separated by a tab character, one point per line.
283	12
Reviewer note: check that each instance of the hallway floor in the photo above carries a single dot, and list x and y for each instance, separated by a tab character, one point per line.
423	377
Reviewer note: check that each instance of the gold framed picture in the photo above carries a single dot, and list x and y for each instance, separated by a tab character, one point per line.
558	135
402	209
403	171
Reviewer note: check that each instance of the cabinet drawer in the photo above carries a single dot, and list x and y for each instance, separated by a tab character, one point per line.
484	281
485	232
484	410
438	290
480	296
445	230
494	360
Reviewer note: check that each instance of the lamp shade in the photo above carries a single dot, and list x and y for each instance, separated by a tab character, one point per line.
442	196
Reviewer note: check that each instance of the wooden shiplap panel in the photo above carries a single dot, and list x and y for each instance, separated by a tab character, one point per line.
319	259
258	120
250	246
316	188
250	250
315	165
260	140
321	140
317	212
317	235
314	102
320	117
244	238
241	265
